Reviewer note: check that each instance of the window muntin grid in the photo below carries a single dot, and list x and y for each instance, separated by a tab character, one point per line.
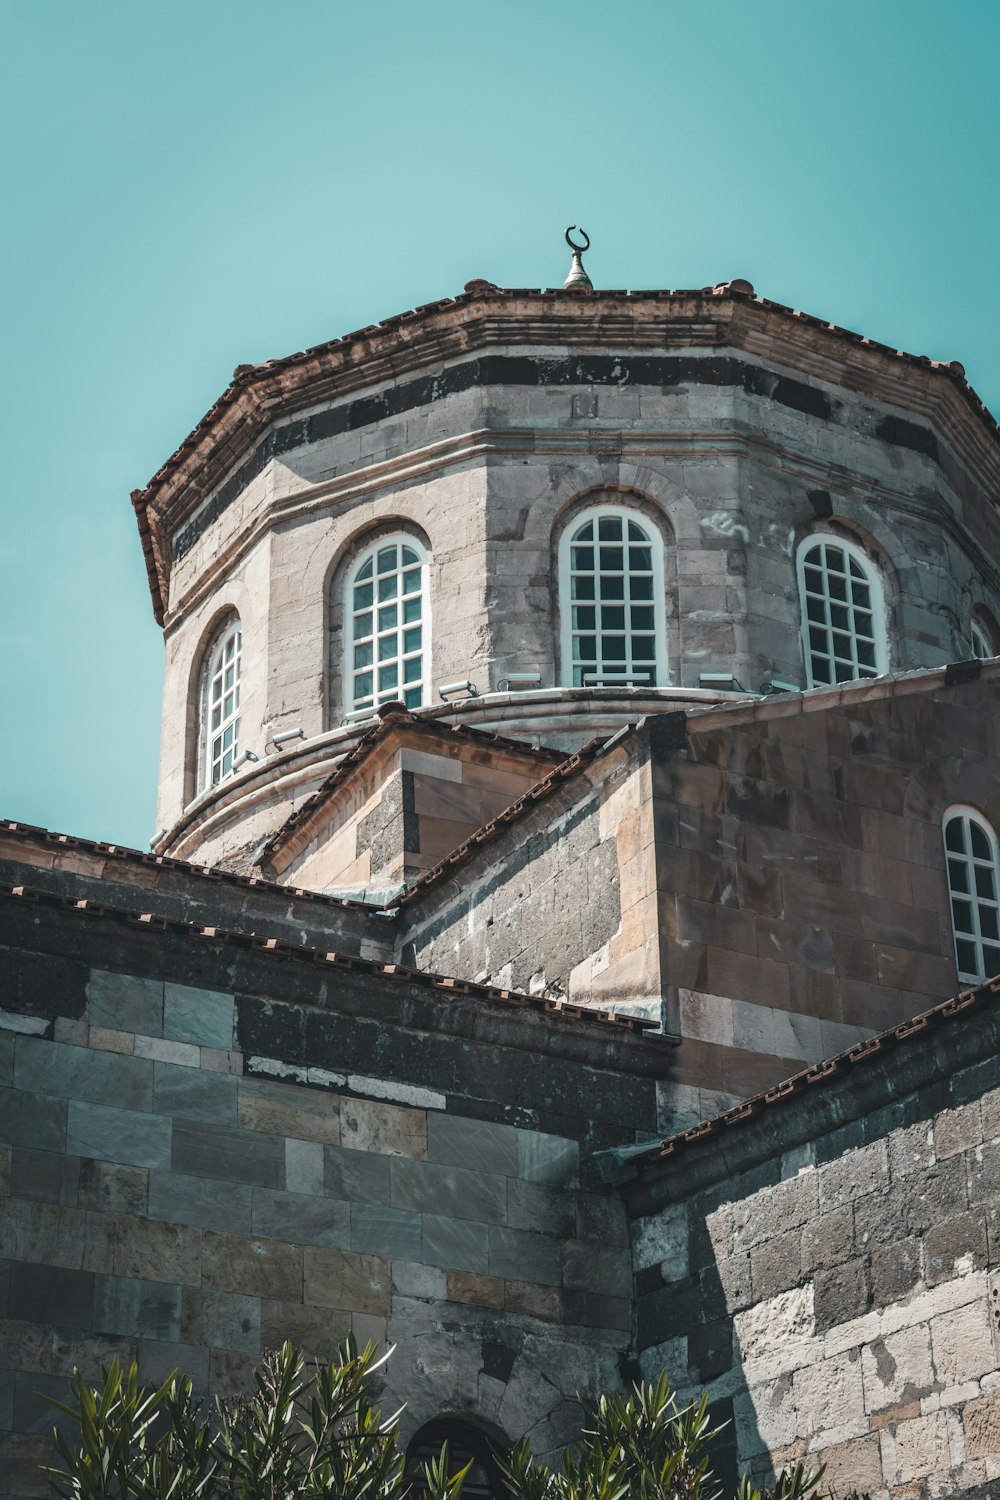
611	591
982	646
222	706
971	854
843	628
388	616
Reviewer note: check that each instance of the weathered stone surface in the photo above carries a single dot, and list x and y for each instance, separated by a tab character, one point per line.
378	1230
125	1002
105	1133
143	1309
190	1094
455	1245
344	1279
548	1158
456	1141
356	1176
150	1251
204	1017
481	1291
232	1156
981	1421
453	1191
46	1176
255	1267
302	1218
368	1125
517	1255
282	1109
221	1320
201	1201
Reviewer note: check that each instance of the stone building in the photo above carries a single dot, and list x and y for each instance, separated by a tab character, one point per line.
576	814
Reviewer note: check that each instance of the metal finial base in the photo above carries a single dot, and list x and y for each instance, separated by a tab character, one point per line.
577	280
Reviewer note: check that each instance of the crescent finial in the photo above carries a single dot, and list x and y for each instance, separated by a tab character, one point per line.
578	248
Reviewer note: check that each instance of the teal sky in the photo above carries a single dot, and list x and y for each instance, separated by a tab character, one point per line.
194	184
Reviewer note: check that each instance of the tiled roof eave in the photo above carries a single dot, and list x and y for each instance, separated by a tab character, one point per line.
243	412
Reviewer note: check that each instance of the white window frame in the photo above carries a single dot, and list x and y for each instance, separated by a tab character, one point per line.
354	704
609	675
216	754
877	593
960	869
982	646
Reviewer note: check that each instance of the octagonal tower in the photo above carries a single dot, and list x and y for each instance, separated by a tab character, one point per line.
586	506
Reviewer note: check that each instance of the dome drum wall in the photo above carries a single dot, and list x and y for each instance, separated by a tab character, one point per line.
728	469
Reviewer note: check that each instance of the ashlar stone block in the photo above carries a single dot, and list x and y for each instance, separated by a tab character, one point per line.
121	1135
454	1141
897	1369
42	1067
453	1191
204	1017
148	1251
221	1320
303	1218
551	1159
962	1344
344	1279
454	1244
201	1201
284	1109
254	1266
146	1309
125	1002
385	1129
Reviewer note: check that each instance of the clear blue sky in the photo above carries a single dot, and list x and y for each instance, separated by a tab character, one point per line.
193	184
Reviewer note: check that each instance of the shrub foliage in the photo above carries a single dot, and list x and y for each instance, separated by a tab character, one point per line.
311	1430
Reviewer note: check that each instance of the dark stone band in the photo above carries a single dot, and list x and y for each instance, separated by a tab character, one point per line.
667	371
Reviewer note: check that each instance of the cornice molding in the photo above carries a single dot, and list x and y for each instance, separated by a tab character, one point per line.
451	328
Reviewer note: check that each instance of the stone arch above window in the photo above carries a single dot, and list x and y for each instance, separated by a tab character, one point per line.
219	703
387	620
970	846
612	603
983	632
842	604
469	1442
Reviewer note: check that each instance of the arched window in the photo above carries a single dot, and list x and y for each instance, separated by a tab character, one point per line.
221	704
982	646
971	852
387	620
468	1442
611	600
843	612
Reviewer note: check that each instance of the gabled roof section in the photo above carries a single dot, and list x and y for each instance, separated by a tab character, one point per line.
35	845
919	1030
390	725
712	317
278	949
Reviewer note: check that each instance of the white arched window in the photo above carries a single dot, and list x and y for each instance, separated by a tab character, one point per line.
982	646
387	626
843	612
612	600
971	852
221	704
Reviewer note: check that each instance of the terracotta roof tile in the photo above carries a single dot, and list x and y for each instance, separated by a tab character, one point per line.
247	376
278	948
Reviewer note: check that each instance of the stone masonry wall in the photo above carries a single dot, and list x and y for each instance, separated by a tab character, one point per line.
562	902
803	900
830	1271
728	460
206	1150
